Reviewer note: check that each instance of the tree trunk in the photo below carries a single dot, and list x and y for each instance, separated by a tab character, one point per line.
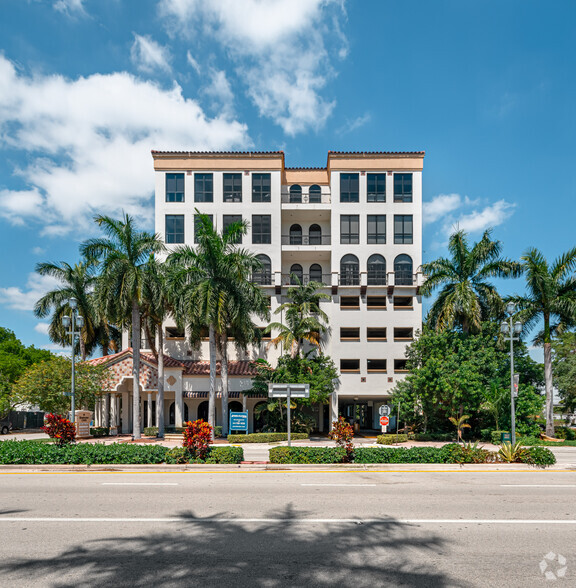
151	340
224	376
212	393
549	390
160	397
136	370
82	347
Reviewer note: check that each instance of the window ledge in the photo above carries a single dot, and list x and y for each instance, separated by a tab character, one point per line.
403	338
350	371
377	339
349	338
377	371
403	308
401	371
376	307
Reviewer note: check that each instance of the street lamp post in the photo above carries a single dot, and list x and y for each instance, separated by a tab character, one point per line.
512	329
71	322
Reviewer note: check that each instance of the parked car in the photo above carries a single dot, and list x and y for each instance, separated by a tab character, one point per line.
5	426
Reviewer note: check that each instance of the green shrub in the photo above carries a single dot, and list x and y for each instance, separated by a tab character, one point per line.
307	454
496	437
151	431
434	436
180	455
399	455
265	437
100	431
539	456
565	433
391	439
218	431
468	453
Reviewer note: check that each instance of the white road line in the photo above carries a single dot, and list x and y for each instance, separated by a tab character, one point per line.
538	485
343	485
139	484
305	521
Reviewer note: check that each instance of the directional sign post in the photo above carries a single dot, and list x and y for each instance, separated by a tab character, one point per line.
384	410
289	391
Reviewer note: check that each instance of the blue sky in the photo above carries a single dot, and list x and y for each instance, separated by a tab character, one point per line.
89	87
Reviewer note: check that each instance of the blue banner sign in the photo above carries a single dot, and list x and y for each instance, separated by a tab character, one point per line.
239	421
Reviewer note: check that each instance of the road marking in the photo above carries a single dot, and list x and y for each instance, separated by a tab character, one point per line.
305	521
344	485
139	483
538	485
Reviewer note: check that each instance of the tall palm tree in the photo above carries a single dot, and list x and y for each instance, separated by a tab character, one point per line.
212	288
303	319
550	298
467	297
77	282
123	256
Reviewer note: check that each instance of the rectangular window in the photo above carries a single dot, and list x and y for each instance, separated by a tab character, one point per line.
402	187
376	333
349	365
401	302
203	188
403	333
376	365
174	187
376	228
261	188
376	187
197	224
349	229
403	229
264	335
349	333
232	187
376	301
400	366
349	191
261	228
229	219
174	228
174	333
350	302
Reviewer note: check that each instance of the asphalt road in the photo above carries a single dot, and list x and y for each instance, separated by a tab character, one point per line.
274	529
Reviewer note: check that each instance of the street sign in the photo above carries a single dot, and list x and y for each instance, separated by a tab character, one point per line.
289	390
516	382
384	420
239	421
384	410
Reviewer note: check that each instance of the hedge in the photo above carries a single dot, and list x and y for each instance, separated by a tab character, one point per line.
265	437
100	431
390	439
31	452
215	455
450	454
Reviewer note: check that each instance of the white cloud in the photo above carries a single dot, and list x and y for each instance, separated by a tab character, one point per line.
220	92
42	328
70	7
36	287
88	142
356	123
191	61
38	250
281	50
439	207
478	221
149	56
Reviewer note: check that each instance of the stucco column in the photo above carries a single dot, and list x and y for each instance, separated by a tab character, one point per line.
97	411
244	402
117	421
126	421
320	417
149	415
106	410
333	408
178	404
113	413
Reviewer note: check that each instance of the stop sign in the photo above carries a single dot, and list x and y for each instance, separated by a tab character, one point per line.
384	420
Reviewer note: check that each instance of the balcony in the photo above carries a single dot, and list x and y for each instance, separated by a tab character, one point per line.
287	279
305	240
306	199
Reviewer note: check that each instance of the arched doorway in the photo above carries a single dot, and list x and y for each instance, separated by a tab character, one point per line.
203	410
172	414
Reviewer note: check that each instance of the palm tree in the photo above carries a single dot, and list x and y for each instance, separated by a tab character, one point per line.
212	287
123	256
76	282
551	298
467	297
304	320
460	423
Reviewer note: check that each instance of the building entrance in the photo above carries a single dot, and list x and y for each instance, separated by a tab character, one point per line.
358	413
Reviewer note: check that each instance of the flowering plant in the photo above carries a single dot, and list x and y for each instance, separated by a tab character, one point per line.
342	432
197	437
59	428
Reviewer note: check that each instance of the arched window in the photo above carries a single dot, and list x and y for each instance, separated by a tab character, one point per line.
296	272
264	275
349	271
403	270
203	410
295	193
376	270
315	235
235	406
315	194
172	414
295	235
316	272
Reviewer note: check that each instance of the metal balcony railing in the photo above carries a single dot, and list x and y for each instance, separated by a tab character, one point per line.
287	279
306	240
306	199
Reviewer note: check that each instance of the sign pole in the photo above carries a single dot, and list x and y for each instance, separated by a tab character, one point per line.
398	422
288	412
